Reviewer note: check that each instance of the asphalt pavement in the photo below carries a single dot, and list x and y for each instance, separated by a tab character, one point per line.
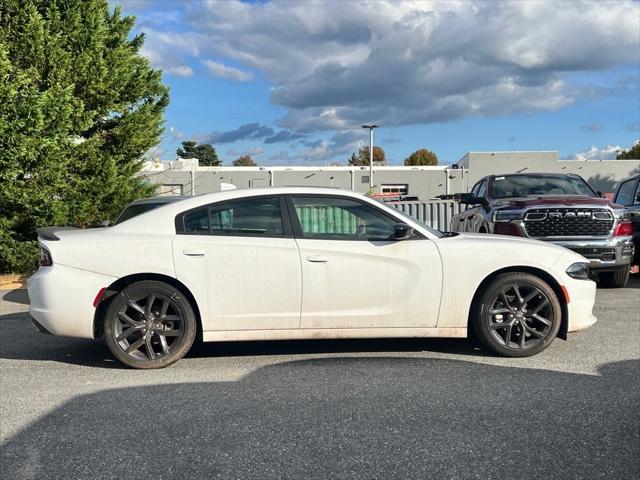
369	409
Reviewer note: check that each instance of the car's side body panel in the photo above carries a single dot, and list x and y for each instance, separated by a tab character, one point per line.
363	284
464	273
241	283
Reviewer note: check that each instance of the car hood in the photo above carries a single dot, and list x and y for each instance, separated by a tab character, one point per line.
547	200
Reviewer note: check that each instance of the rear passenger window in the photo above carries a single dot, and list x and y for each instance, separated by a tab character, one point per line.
197	222
258	216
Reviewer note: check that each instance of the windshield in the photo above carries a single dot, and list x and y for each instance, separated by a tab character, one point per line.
135	210
508	186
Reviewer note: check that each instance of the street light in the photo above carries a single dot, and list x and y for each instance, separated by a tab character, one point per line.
370	127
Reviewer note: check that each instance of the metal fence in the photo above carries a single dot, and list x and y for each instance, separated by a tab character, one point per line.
435	213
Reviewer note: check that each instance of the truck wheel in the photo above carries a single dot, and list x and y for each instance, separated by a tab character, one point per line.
615	279
518	315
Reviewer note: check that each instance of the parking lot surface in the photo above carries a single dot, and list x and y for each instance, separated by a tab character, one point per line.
437	408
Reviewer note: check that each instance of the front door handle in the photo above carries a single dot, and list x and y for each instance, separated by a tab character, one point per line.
194	253
317	259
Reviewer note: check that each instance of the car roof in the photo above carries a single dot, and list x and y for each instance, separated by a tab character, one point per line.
538	174
156	217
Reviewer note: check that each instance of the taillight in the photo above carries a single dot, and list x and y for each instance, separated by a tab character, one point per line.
623	229
45	257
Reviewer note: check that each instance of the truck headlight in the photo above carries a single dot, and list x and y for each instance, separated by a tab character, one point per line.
578	270
507	216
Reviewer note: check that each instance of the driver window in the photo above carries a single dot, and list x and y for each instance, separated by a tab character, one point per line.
341	219
482	191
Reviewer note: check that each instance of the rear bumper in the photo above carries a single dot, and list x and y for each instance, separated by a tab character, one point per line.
61	299
604	254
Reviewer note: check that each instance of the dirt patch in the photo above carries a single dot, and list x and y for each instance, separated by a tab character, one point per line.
10	282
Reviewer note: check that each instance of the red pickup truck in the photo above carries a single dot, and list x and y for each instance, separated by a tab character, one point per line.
558	208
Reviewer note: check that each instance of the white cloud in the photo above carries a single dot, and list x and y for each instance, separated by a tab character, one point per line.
167	51
596	153
336	64
180	71
225	71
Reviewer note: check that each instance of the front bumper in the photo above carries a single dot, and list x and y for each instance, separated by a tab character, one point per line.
602	254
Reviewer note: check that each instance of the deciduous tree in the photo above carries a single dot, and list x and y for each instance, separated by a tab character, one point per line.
421	156
244	161
362	157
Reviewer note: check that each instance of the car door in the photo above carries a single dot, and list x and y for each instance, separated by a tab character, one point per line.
354	274
475	218
241	257
628	194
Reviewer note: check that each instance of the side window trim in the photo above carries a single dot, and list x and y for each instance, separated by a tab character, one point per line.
284	218
297	227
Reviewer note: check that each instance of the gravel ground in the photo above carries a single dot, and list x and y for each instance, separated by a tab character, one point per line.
435	408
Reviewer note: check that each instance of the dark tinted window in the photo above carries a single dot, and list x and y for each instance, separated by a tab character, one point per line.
341	218
135	210
531	185
258	216
197	222
482	191
626	193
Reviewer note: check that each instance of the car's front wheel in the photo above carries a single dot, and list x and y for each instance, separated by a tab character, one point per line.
149	324
518	315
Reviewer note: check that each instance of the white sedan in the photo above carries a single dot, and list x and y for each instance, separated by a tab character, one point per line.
300	263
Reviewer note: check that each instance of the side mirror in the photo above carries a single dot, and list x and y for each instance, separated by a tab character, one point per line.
105	223
402	231
600	194
471	199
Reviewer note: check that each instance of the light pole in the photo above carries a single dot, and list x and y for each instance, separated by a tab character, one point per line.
370	127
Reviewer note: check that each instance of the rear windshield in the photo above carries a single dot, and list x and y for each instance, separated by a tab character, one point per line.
508	186
135	210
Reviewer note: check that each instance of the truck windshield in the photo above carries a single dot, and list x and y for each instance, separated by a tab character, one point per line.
508	186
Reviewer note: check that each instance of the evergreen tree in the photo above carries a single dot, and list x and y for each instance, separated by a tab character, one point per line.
204	152
78	109
632	154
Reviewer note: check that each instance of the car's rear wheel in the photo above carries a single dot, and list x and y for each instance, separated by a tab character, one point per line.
518	315
615	279
149	324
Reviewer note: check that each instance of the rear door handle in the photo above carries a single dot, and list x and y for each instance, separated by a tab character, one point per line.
194	253
317	259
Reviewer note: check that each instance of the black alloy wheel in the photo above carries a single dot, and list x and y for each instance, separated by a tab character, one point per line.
149	325
519	315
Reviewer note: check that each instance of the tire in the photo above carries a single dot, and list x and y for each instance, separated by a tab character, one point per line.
518	315
149	324
615	279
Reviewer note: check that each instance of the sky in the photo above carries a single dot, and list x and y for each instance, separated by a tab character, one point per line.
291	83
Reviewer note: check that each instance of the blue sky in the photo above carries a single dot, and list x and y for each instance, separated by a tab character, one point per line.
291	82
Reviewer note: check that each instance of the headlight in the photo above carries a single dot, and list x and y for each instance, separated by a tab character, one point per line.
579	270
507	216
